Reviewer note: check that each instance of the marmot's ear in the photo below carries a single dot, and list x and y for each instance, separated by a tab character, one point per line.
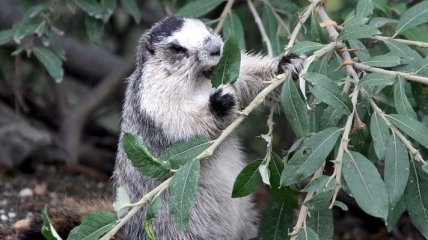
145	49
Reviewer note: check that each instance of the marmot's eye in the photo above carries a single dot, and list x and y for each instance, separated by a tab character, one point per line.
177	48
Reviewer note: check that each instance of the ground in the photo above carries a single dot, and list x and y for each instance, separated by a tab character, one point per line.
24	194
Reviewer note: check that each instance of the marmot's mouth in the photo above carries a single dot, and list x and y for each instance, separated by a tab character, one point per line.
208	71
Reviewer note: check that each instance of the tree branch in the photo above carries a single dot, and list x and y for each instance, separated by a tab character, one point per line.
408	76
405	41
223	15
261	27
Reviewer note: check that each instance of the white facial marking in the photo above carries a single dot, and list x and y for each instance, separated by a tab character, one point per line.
191	35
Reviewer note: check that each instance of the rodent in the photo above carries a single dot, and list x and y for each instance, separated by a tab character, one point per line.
169	97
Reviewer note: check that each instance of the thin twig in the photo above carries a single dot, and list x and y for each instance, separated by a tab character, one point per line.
408	76
302	20
405	41
303	213
261	27
412	150
223	15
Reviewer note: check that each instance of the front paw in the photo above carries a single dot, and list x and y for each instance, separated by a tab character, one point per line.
223	101
292	63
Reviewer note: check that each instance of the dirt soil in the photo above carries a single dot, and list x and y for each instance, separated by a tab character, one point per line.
24	195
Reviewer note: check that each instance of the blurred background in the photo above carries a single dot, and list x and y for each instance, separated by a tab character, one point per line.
62	71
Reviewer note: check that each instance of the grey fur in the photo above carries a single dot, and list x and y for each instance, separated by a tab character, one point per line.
167	99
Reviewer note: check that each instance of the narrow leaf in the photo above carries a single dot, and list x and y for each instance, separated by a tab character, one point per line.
396	169
357	31
401	101
408	54
182	192
326	90
227	69
377	79
91	7
365	184
198	8
384	61
414	16
132	8
48	231
416	197
361	50
364	8
6	36
395	213
233	27
142	159
319	200
94	28
122	200
294	108
248	180
306	47
183	151
276	221
413	128
154	208
380	134
51	62
301	166
321	184
321	221
93	226
307	233
283	194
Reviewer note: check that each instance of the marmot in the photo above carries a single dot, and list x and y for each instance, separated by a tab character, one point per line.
169	97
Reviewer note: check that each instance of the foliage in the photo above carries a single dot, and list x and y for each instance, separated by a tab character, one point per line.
360	103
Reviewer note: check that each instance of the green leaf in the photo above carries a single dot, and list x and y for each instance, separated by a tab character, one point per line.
317	33
233	27
319	200
198	8
357	31
25	28
330	118
93	226
413	128
108	7
121	202
365	184
35	10
132	8
396	169
361	50
306	47
416	197
378	22
326	90
51	62
364	8
414	16
320	184
142	159
48	231
377	79
401	101
148	229
276	221
307	233
321	145
184	151
248	180
182	192
384	61
227	69
395	213
321	221
380	134
272	30
94	28
283	194
294	108
91	7
6	36
154	208
404	51
340	205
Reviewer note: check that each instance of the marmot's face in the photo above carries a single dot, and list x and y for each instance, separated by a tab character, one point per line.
185	46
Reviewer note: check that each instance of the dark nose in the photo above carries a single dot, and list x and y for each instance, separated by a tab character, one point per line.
215	51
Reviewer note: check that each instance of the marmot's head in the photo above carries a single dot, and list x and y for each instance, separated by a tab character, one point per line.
182	46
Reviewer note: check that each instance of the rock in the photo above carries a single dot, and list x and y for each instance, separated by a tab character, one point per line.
3	217
26	192
11	214
21	225
40	189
